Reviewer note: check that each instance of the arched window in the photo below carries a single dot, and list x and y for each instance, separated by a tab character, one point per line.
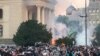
1	13
1	30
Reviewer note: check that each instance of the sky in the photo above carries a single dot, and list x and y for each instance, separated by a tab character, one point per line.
61	6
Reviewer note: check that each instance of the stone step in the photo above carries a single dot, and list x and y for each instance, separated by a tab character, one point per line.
6	41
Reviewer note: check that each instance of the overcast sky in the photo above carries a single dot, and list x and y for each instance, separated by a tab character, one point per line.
62	5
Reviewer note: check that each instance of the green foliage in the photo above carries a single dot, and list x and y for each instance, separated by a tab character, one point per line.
67	41
96	41
30	32
63	19
72	35
70	23
76	25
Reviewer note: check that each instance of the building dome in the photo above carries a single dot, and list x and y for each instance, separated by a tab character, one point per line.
70	9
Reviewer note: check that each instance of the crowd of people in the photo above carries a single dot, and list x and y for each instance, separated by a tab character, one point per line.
49	50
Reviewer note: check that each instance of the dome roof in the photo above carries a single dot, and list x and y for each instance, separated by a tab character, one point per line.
70	9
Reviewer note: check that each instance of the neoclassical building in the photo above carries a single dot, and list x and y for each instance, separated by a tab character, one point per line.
14	12
93	13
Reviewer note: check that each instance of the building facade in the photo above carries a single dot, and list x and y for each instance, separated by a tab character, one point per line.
14	12
93	12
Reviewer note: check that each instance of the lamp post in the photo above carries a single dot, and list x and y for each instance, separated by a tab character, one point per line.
86	23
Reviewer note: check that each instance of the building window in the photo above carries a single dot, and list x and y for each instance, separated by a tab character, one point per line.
90	22
90	11
97	16
93	22
93	11
1	13
97	10
1	30
98	22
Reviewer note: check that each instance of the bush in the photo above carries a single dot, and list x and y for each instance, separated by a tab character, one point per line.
30	32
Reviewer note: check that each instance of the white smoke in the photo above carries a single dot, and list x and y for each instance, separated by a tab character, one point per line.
59	30
81	37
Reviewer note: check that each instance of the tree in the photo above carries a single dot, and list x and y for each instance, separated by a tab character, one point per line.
76	25
68	40
96	41
30	32
70	23
72	32
63	19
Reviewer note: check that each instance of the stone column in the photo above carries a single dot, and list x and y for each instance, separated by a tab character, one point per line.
29	15
46	15
49	19
25	14
43	14
38	13
50	14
